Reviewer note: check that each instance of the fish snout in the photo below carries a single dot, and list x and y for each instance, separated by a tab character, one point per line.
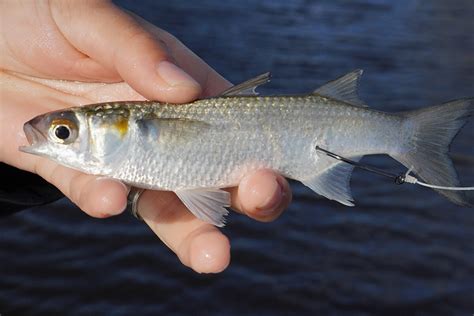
32	130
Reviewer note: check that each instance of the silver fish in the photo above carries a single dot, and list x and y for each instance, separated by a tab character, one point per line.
196	149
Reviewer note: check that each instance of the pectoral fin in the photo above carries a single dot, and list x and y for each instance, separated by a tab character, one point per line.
208	205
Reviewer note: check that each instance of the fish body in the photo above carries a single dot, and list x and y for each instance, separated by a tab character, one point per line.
215	142
196	149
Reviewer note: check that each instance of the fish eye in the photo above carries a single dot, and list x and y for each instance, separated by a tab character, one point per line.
63	131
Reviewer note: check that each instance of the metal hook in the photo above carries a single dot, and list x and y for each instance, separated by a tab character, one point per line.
397	178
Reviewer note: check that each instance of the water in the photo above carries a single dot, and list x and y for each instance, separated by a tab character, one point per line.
401	250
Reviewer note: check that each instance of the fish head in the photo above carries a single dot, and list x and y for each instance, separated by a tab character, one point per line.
59	136
75	138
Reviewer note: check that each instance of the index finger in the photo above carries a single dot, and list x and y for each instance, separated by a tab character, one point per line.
210	80
112	37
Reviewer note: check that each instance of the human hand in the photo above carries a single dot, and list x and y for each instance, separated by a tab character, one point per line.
115	56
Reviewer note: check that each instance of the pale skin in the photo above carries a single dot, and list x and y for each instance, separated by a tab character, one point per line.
59	54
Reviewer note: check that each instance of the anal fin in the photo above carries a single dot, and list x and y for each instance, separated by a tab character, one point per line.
333	182
208	205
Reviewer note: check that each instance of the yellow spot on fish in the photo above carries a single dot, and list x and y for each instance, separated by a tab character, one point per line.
121	126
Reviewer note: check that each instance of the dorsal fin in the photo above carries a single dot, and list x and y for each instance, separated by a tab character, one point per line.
344	88
248	87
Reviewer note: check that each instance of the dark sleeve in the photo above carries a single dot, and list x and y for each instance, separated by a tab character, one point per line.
21	189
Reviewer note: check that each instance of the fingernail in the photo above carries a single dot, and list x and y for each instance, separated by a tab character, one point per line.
274	201
175	76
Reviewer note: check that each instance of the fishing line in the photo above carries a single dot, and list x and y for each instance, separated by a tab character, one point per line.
411	179
397	178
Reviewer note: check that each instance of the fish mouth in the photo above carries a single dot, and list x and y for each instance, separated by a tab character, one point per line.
34	136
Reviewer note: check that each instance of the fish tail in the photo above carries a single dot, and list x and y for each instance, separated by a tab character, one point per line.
430	132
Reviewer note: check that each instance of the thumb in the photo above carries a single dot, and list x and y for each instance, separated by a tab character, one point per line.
117	41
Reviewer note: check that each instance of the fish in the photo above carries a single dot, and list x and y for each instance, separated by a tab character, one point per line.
197	149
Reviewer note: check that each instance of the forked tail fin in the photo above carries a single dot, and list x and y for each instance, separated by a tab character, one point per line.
432	131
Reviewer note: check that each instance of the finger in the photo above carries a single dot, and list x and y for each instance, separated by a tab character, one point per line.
263	195
209	79
198	245
80	93
97	196
114	39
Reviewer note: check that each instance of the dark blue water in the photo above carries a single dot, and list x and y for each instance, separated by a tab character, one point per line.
402	250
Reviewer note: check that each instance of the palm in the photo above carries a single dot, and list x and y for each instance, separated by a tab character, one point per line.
129	65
